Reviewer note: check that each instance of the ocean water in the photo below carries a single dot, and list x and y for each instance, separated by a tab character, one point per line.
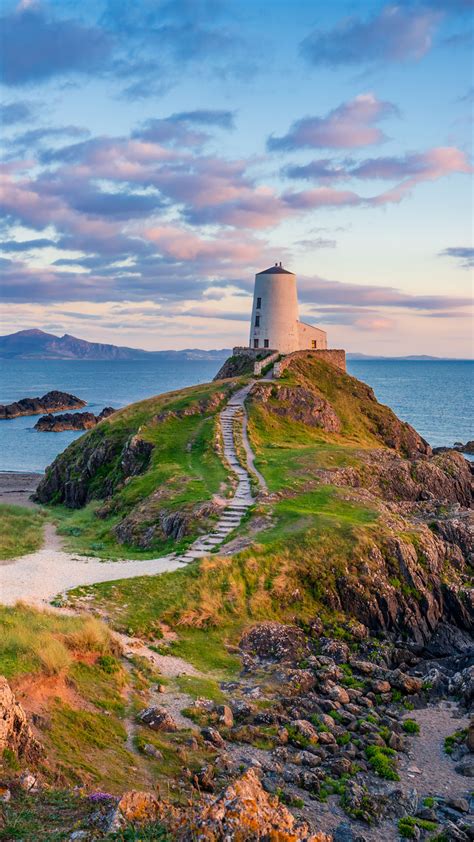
436	397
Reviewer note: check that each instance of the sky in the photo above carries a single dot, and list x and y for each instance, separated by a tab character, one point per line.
156	155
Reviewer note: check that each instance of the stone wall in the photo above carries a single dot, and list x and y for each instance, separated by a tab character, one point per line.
261	364
334	356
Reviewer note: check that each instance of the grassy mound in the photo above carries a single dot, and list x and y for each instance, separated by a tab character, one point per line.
152	460
21	531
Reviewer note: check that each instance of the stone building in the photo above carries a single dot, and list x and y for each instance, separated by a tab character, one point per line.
275	323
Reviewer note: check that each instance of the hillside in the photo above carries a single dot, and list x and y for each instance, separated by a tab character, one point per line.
39	345
308	646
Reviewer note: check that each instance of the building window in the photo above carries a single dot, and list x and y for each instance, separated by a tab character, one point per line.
259	303
257	321
265	343
255	343
314	343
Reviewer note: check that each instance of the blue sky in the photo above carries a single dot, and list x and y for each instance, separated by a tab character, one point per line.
156	155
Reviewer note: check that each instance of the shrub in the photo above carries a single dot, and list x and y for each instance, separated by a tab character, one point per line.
408	824
382	761
411	726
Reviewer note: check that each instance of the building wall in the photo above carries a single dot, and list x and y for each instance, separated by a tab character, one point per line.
335	356
307	334
278	313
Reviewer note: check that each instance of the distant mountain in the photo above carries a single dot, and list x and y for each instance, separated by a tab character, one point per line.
420	357
38	345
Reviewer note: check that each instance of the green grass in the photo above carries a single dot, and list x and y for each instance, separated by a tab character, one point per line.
46	817
197	687
21	531
407	826
382	761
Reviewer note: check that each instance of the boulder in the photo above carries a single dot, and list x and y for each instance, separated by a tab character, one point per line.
271	641
15	732
466	766
158	719
139	808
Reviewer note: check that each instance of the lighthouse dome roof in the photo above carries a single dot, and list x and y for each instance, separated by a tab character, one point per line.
277	269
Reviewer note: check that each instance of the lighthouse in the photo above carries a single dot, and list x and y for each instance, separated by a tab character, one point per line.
275	324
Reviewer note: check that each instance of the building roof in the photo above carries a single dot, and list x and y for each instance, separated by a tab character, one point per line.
277	269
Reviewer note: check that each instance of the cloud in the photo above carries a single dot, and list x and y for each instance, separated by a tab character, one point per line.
322	292
322	197
178	130
26	245
349	126
16	112
37	47
465	254
396	33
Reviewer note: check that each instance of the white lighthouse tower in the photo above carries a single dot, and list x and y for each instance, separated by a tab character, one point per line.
275	324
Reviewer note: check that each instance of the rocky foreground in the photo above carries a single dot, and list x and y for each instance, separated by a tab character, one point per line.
54	401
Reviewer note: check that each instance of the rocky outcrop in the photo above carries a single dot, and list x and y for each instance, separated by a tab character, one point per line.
298	404
245	812
50	402
459	446
15	733
135	456
158	719
71	421
153	521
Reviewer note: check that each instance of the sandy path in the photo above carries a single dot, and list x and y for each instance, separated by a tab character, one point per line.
38	577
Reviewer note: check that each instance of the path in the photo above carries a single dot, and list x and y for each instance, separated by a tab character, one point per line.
40	576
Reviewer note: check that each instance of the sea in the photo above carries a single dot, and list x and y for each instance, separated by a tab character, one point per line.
435	396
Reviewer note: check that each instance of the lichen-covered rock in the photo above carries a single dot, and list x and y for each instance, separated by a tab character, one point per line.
244	812
15	732
135	456
140	808
271	641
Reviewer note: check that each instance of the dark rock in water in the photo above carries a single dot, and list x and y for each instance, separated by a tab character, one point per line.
459	446
50	402
71	421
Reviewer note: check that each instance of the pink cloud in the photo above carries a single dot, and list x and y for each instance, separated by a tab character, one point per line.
350	125
322	197
182	244
429	166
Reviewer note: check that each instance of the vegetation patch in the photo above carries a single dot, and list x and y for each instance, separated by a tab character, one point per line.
21	531
382	761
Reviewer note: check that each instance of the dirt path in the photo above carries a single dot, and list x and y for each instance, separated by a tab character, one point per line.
427	766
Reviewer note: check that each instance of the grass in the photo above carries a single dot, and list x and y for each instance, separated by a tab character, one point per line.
21	531
408	825
197	687
382	761
411	726
42	642
46	817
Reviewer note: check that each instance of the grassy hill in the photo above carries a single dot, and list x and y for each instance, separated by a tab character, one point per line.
334	537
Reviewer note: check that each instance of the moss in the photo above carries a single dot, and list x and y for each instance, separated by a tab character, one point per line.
453	740
407	826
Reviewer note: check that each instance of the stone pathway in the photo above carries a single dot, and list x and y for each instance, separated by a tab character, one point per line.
243	498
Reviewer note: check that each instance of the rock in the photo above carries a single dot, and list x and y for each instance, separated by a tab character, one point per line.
407	684
136	456
275	642
466	767
137	807
76	835
28	782
305	730
225	715
158	719
152	751
345	833
338	694
15	732
244	811
336	649
71	421
205	779
459	804
212	735
54	401
470	736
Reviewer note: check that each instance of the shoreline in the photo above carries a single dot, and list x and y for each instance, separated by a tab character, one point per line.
16	487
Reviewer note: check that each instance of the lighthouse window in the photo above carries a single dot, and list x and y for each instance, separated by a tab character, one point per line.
257	321
259	303
314	343
255	343
265	343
